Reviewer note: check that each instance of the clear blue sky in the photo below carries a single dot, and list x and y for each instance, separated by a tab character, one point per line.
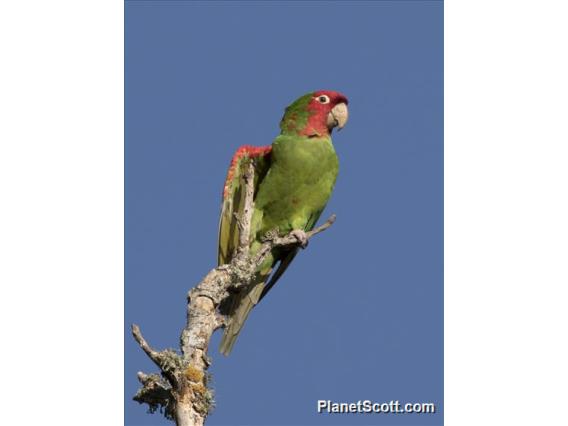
359	315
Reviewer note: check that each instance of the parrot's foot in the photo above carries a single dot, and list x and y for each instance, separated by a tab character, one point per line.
301	237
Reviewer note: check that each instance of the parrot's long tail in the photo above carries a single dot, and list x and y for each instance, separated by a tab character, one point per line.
242	305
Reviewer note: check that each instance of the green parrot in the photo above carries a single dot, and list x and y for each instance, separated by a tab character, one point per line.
294	178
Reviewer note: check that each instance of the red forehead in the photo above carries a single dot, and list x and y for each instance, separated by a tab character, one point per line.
334	97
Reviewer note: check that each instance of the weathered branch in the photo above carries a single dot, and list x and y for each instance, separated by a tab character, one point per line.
152	354
182	392
245	221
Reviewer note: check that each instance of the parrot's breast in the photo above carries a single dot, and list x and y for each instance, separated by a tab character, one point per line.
298	185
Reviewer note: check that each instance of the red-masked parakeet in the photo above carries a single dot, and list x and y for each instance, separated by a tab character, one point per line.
294	178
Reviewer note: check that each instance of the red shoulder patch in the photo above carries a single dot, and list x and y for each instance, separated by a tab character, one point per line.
243	151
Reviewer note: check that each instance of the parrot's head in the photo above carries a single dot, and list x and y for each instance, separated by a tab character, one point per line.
315	114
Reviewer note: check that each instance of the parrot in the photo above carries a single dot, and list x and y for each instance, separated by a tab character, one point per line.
293	180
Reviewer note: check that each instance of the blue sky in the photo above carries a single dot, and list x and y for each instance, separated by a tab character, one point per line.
359	315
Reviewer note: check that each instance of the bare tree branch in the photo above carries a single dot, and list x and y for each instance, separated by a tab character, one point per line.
152	354
182	391
246	220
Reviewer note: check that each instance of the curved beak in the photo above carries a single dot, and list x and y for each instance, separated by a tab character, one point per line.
338	116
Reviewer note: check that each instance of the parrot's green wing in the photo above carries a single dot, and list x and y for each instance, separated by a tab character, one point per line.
234	196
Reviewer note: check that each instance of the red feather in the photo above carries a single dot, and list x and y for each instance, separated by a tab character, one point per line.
245	150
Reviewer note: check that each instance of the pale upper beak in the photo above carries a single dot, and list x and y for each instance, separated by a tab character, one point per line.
338	116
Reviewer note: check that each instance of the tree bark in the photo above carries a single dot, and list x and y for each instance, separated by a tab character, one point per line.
181	392
187	416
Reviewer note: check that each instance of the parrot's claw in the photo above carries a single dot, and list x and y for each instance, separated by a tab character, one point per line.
301	237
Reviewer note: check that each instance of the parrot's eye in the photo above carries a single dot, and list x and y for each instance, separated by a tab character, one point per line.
323	99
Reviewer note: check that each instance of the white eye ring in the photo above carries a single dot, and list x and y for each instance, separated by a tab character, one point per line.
323	99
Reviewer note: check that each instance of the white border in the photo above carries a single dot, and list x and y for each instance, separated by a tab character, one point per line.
61	214
506	212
